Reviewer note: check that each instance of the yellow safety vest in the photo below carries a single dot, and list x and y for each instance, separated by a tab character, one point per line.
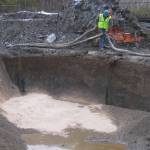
104	23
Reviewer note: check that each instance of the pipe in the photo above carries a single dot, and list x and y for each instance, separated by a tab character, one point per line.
124	50
57	46
63	45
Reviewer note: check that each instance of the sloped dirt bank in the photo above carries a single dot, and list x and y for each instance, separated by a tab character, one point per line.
7	88
10	138
114	80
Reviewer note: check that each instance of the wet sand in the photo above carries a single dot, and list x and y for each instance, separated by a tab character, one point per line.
77	140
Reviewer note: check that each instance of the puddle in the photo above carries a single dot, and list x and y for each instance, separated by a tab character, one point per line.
44	147
78	140
95	147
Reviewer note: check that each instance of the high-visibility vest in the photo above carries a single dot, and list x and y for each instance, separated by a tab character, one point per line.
103	23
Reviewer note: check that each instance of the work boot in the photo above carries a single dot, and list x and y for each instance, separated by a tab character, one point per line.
101	49
107	46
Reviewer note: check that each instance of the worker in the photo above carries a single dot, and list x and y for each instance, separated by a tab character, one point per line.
109	8
103	24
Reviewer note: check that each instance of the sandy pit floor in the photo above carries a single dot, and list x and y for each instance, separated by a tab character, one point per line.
58	120
45	114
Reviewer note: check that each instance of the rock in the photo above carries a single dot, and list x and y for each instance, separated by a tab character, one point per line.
51	38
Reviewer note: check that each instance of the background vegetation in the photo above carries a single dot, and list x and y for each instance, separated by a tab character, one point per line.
33	5
140	7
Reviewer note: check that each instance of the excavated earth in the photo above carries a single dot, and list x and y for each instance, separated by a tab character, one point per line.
117	83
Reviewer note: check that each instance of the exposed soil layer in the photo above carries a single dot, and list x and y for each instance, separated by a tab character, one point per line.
7	88
114	80
10	138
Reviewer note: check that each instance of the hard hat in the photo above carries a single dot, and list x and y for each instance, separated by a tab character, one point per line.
106	13
105	7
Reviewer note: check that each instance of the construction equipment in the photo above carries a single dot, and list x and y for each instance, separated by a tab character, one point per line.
120	36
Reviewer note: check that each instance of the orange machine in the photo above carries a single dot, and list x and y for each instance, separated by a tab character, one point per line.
120	36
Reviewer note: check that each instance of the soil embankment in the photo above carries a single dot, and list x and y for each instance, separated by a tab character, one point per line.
7	88
10	138
115	80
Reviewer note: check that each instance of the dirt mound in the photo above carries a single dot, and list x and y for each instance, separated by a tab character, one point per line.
80	16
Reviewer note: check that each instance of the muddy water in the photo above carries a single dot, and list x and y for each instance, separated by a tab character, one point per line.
78	140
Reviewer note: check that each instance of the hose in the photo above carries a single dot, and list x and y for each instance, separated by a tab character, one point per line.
124	50
77	42
57	46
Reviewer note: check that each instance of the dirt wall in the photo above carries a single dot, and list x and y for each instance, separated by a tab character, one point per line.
123	81
10	138
7	88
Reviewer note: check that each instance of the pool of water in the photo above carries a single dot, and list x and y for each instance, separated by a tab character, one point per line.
44	147
98	147
77	140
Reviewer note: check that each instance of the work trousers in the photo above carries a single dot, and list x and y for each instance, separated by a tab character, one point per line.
103	38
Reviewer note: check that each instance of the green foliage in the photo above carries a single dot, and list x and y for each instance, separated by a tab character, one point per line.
142	11
19	2
33	5
7	2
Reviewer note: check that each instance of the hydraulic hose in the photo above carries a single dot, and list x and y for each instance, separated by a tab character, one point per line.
57	46
60	45
124	50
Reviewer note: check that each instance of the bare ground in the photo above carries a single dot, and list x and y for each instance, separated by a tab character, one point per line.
10	138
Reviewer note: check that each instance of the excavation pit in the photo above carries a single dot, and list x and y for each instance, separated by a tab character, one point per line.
66	97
